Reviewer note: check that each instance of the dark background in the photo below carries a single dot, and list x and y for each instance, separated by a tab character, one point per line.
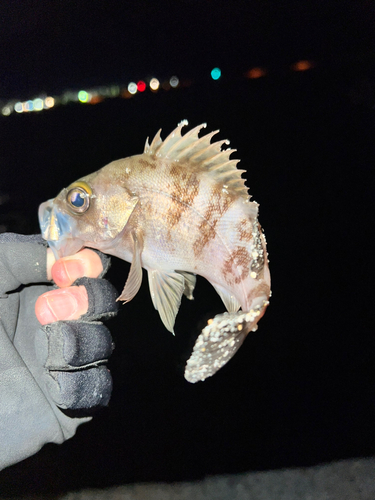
301	390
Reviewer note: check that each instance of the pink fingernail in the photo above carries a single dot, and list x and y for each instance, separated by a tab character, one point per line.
56	305
65	272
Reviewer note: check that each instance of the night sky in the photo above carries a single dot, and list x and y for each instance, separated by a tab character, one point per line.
301	389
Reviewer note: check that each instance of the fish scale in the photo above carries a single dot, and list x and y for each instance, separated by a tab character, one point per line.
179	209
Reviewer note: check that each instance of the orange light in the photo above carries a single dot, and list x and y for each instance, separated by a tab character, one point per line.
303	65
95	99
256	73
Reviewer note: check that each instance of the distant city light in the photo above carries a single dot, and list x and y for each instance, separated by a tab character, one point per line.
29	106
216	73
83	96
174	81
141	86
154	84
303	65
95	99
114	90
49	102
256	72
38	104
100	93
132	88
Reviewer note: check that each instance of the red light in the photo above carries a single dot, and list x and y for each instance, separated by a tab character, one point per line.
141	86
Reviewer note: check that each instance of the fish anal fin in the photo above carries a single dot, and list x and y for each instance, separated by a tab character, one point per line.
166	290
230	301
134	280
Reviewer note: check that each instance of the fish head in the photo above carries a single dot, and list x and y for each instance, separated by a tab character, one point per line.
92	212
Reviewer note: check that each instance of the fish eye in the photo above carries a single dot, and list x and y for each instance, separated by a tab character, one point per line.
78	198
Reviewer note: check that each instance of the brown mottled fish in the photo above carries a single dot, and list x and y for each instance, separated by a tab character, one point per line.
179	209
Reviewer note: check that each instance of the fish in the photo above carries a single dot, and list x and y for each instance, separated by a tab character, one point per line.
179	210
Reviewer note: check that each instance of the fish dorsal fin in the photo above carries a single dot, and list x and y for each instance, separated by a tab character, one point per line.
190	148
166	292
134	280
230	301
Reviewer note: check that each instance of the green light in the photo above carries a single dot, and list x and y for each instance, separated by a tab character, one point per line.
216	73
83	96
38	104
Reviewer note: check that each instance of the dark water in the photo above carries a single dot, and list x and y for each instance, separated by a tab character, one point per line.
301	389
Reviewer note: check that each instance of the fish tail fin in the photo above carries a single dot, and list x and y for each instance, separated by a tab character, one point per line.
221	339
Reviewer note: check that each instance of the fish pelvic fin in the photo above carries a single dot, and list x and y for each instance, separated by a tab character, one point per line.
134	281
200	151
166	292
220	340
190	281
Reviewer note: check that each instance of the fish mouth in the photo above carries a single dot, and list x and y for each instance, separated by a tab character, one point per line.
57	229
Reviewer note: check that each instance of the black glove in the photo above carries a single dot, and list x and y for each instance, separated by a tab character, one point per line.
46	367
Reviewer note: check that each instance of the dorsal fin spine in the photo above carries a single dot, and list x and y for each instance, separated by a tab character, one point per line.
199	151
202	145
218	158
188	138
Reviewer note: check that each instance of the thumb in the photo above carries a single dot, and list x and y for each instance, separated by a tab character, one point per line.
22	261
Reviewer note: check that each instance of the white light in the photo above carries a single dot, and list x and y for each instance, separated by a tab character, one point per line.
132	88
18	107
38	104
6	111
154	84
49	102
174	81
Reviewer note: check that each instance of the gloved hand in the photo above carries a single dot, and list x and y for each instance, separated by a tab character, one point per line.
45	365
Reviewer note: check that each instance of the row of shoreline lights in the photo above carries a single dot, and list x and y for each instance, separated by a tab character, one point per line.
97	95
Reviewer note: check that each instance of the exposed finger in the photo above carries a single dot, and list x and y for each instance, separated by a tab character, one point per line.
66	270
62	304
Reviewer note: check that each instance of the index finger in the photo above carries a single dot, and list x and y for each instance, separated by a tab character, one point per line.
66	270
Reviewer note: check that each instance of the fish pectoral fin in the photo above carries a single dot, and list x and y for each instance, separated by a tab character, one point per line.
133	283
221	339
190	281
230	301
166	291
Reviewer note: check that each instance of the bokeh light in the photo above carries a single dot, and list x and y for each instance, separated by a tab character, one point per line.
6	110
29	106
83	96
154	84
174	81
302	65
141	86
38	104
132	88
18	107
114	91
216	73
256	72
95	99
49	102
